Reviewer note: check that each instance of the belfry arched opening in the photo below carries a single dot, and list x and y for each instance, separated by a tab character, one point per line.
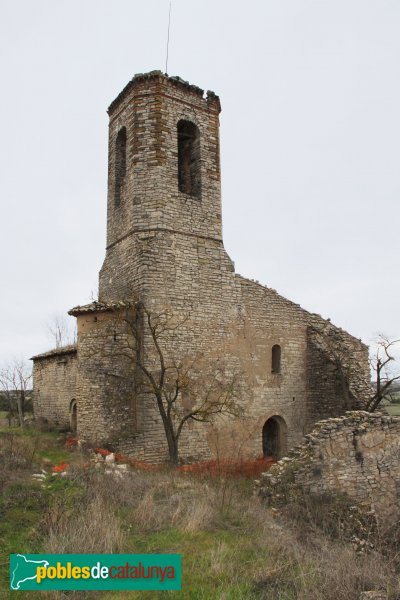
274	437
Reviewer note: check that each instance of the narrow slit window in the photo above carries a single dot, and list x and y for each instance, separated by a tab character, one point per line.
120	164
189	158
73	415
276	358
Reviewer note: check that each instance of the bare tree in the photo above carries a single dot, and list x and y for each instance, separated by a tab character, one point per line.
60	331
15	380
340	354
185	388
381	362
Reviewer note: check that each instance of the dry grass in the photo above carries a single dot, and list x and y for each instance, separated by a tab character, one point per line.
155	501
232	546
93	528
298	555
17	452
310	556
320	569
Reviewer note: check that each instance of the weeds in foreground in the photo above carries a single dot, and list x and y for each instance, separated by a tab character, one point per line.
232	547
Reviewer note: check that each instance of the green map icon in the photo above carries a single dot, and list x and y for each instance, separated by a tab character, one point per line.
23	569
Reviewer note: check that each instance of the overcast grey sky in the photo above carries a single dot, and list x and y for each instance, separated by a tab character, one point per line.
310	146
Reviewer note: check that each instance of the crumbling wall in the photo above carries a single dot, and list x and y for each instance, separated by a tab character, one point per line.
356	454
337	371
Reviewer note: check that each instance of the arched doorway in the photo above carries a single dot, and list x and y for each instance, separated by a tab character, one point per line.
274	437
73	416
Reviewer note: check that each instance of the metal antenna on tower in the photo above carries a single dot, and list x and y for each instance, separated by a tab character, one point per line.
169	24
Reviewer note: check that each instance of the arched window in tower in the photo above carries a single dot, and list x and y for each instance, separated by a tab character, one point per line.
120	164
276	358
189	158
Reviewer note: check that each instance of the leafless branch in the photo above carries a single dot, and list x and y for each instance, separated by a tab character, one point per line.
15	380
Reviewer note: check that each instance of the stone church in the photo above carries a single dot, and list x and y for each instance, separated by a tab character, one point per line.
165	247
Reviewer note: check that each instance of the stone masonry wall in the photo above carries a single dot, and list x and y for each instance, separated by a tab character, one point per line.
150	108
356	454
55	386
243	331
106	400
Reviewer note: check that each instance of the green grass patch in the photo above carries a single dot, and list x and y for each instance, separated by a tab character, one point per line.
27	508
215	564
57	456
22	505
30	432
393	409
47	447
395	397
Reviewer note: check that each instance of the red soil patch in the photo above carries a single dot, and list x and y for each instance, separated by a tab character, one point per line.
245	468
60	468
102	451
214	468
71	442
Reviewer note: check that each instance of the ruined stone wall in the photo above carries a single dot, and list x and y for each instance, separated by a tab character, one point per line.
54	386
356	454
338	373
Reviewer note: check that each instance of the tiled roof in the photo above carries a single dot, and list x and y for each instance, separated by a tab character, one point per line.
98	307
70	349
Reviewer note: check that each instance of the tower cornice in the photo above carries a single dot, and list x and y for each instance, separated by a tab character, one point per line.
210	98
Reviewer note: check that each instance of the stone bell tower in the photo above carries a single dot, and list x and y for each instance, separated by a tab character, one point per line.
164	192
